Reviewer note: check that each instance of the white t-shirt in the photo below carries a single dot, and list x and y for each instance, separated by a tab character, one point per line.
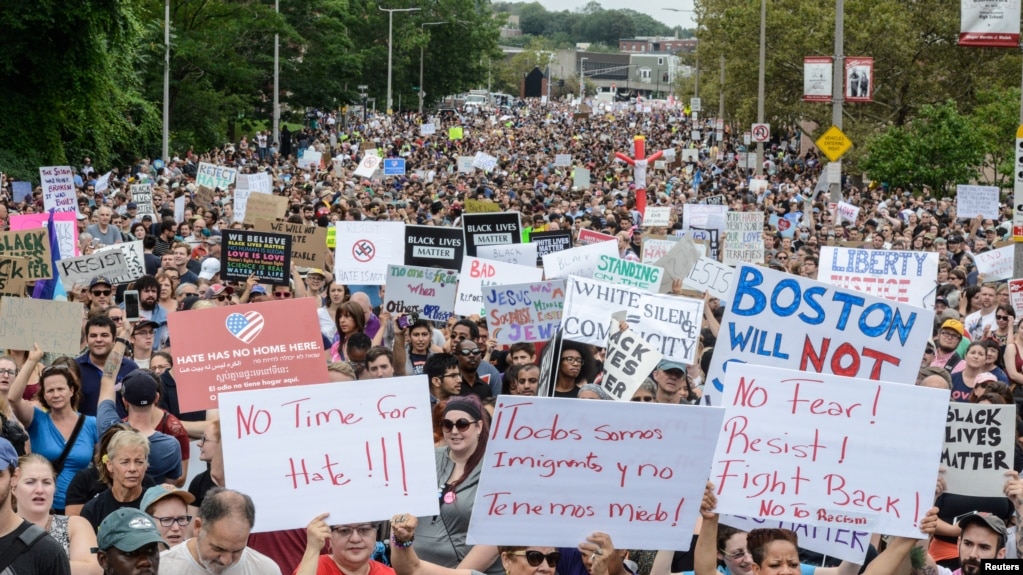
179	560
975	323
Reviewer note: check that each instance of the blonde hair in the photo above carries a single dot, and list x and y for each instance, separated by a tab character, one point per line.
121	439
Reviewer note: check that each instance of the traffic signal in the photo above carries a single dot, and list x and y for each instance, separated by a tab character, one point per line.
561	83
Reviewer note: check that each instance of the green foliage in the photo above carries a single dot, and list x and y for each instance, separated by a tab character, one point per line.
591	23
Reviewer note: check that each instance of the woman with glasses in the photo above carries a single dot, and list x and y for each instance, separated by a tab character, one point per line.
210	451
169	508
576	367
352	548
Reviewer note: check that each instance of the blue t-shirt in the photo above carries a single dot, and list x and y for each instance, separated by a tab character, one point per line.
164	450
48	442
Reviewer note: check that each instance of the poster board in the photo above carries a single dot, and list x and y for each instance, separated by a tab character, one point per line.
58	183
491	230
55	325
265	207
308	243
433	246
364	250
428	293
710	276
519	254
34	246
64	223
896	275
213	176
12	276
579	261
529	312
477	273
263	254
84	268
134	260
973	201
624	272
979	448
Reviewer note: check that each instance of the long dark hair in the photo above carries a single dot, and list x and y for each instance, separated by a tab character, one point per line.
470	404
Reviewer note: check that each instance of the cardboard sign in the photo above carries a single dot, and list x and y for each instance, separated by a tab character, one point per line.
12	276
65	225
995	265
844	543
678	262
612	479
477	273
241	347
204	196
84	268
580	261
246	253
657	217
973	201
426	292
55	325
213	176
364	250
744	238
623	272
710	276
142	196
580	179
491	230
481	207
845	212
249	185
705	223
550	242
134	260
265	207
979	448
524	312
905	277
433	246
822	432
308	243
34	246
58	183
587	237
628	361
519	254
354	449
776	319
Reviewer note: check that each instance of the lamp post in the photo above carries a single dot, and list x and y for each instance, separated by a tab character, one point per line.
760	83
422	94
582	78
277	78
166	84
390	46
362	96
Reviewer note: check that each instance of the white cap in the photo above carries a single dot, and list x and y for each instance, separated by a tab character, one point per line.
210	268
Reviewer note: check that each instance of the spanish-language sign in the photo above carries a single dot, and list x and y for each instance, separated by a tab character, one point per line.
84	268
213	176
34	246
973	201
556	467
142	196
706	223
65	225
627	363
624	272
55	325
679	261
58	183
364	250
710	276
426	292
844	543
670	324
249	346
995	265
353	449
308	243
528	312
265	207
979	448
521	254
777	319
580	261
134	260
12	276
264	255
477	273
433	246
657	217
550	242
490	230
587	237
744	238
804	447
905	277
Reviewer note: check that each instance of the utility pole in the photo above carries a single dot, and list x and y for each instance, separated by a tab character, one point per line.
390	47
166	84
277	79
837	87
721	96
1017	249
582	79
760	82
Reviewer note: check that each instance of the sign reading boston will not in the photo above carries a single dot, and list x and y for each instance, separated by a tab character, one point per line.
491	230
264	254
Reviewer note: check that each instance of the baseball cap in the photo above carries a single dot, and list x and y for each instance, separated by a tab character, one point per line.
210	268
954	325
100	280
217	289
145	323
316	271
667	364
8	455
158	492
139	388
988	520
257	289
132	206
127	529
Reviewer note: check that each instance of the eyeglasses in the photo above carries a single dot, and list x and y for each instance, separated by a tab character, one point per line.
10	372
948	334
364	531
222	297
1002	317
643	398
145	332
282	294
737	555
447	375
204	439
115	318
158	369
181	520
461	425
535	558
468	352
101	292
572	359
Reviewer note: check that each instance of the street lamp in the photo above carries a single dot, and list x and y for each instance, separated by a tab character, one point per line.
277	79
390	45
582	79
422	94
760	83
362	96
166	85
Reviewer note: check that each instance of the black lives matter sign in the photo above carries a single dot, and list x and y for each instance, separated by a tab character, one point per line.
432	246
494	229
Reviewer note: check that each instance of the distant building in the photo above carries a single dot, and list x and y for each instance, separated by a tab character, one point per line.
510	28
655	44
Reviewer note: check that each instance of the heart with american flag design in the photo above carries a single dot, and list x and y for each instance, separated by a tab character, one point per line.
245	327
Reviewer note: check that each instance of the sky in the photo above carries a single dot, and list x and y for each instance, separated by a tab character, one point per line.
655	8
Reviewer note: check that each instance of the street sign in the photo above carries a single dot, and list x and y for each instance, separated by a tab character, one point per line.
394	166
695	105
761	132
834	143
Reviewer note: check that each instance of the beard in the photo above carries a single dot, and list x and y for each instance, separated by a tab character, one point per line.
970	566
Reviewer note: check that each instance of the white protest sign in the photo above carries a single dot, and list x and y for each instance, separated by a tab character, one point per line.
705	222
364	249
310	159
657	217
612	479
628	361
477	273
776	319
524	312
710	276
213	176
679	261
368	166
580	260
133	259
580	178
484	161
521	254
58	183
179	209
805	447
846	213
355	449
654	249
426	292
973	201
84	268
844	543
905	277
427	129
744	238
142	196
465	164
979	448
563	160
995	265
623	272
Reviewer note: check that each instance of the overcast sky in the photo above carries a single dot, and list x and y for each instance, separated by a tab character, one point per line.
655	8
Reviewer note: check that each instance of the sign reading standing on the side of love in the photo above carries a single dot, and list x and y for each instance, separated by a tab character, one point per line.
819	449
979	448
425	292
491	230
263	254
524	312
556	467
477	273
353	449
364	250
899	275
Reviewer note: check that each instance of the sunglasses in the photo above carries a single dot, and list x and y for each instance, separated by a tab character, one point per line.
461	425
468	352
1002	317
282	294
222	297
535	558
643	398
101	292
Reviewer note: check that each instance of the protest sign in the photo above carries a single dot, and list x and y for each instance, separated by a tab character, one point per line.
21	190
678	262
142	196
204	196
1016	296
581	260
34	246
308	243
353	449
265	207
804	447
477	273
248	184
973	201
524	312
213	176
12	276
670	324
491	230
456	133
364	249
425	292
433	246
481	206
744	238
465	164
776	319
427	129
484	161
655	248
995	265
628	361
55	325
84	268
846	212
905	277
134	260
979	448
241	347
710	276
587	237
555	467
718	200
707	223
58	183
580	178
179	209
656	216
521	254
550	242
65	225
846	544
562	160
310	159
262	254
617	271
